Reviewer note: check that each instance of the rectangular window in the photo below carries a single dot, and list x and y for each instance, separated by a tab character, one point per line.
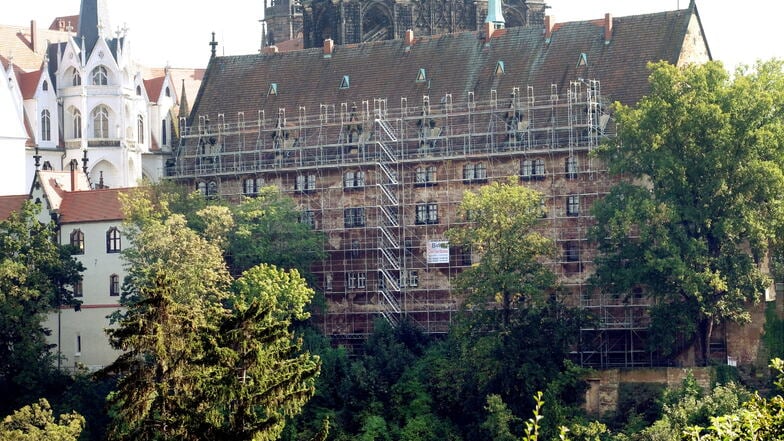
354	217
113	240
571	167
409	278
305	183
425	176
573	205
114	285
308	217
356	280
475	172
78	289
427	213
354	179
532	169
571	252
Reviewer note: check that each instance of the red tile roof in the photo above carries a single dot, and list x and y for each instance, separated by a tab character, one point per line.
91	206
9	204
28	83
153	87
15	42
455	64
62	23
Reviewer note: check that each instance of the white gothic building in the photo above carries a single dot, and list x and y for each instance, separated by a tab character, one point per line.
88	96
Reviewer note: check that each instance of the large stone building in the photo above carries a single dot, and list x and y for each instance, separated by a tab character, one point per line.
378	142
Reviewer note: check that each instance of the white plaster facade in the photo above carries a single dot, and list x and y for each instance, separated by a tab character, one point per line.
12	137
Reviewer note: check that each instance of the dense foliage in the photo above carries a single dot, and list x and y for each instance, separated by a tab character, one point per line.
35	279
703	202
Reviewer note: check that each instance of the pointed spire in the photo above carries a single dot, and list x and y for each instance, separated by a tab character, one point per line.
184	110
94	21
495	14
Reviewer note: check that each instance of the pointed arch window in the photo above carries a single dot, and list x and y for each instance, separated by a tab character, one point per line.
164	133
46	126
76	78
100	122
421	76
77	241
139	90
100	76
113	240
76	122
499	68
140	129
167	92
45	86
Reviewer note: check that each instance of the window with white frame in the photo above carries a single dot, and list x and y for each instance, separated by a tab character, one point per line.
409	278
46	125
531	169
305	183
573	205
100	76
475	172
425	176
571	167
140	129
427	213
356	279
76	123
100	117
76	78
251	186
354	217
353	179
113	240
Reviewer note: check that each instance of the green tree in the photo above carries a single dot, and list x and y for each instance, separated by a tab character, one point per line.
36	423
203	360
35	275
501	230
269	230
704	153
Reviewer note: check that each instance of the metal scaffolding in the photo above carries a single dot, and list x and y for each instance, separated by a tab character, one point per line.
384	184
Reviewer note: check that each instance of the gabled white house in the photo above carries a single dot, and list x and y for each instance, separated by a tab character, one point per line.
12	135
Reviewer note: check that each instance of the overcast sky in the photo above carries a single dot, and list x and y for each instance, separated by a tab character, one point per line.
177	32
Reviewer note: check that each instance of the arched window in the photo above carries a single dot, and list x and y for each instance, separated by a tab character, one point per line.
46	126
101	122
139	90
76	79
45	86
47	165
164	133
114	285
77	124
77	241
212	188
167	92
100	76
140	129
201	187
113	240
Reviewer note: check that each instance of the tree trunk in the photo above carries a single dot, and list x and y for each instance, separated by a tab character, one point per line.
706	330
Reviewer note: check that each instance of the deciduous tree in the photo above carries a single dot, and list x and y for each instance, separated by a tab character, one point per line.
705	153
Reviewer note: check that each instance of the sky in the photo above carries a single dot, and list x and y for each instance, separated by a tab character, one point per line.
177	32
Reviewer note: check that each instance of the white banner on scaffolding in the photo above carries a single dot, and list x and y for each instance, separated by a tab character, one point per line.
438	251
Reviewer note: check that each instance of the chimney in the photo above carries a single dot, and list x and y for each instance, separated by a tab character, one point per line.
329	45
608	28
489	29
33	36
549	21
408	38
74	166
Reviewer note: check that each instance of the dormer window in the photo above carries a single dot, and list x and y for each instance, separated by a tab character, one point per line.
499	68
100	76
421	76
167	92
139	90
583	60
344	83
273	89
45	86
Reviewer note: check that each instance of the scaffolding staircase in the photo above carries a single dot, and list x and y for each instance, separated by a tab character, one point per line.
389	227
